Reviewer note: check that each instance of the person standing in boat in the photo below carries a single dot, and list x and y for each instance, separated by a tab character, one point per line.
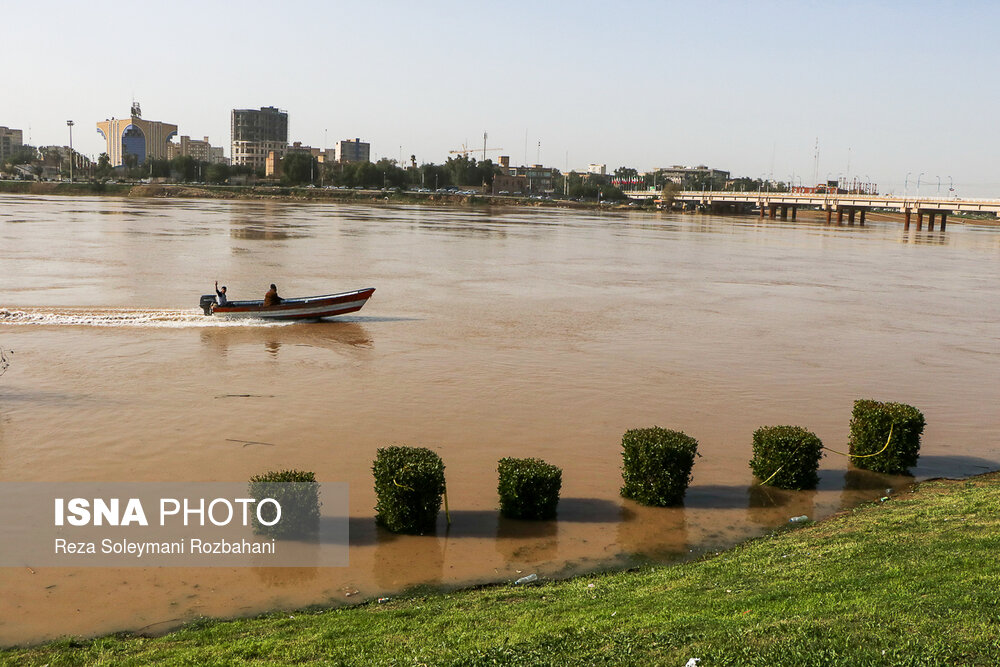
220	294
272	298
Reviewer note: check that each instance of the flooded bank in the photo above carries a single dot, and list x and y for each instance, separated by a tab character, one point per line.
492	333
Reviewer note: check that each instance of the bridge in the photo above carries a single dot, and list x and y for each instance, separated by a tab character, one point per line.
849	205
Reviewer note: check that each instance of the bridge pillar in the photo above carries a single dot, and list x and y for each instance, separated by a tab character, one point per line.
850	216
944	219
829	214
920	220
761	207
772	210
794	210
930	221
862	221
840	215
906	219
784	212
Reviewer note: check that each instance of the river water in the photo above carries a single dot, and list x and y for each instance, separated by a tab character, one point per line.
493	332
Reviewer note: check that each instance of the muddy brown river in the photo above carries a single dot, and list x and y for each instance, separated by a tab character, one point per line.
493	332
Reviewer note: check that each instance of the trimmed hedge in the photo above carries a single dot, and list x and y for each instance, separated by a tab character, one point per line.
528	488
657	465
409	482
870	424
298	494
786	457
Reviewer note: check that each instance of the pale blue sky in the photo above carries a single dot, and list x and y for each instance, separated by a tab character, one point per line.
888	88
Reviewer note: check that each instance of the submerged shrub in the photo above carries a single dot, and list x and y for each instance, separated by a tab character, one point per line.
409	482
786	457
871	422
528	488
657	465
298	494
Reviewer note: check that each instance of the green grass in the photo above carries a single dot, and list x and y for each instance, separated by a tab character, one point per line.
912	581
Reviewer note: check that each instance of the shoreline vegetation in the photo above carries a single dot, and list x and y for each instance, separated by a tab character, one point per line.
368	196
911	580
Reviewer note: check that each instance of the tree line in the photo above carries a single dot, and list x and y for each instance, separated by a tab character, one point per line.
300	168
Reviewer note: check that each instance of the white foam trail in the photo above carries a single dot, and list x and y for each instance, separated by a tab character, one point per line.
169	319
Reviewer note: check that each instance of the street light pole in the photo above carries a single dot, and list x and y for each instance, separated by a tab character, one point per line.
918	183
69	123
906	184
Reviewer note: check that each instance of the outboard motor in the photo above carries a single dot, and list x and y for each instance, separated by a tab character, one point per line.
206	303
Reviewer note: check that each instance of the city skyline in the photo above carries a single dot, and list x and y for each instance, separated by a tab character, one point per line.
891	93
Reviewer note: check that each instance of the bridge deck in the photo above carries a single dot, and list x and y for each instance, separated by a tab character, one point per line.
829	201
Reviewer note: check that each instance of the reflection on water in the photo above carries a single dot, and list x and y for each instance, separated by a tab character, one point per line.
659	533
333	336
521	543
494	332
280	577
395	555
768	507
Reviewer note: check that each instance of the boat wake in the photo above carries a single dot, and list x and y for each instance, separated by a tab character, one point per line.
125	317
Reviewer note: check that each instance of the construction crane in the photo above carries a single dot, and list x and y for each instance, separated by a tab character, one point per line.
465	150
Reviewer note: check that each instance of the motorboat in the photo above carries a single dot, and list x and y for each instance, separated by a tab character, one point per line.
304	308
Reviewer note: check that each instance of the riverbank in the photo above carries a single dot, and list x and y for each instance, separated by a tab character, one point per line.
280	193
911	580
351	195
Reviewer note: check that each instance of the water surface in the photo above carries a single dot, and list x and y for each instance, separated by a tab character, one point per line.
496	332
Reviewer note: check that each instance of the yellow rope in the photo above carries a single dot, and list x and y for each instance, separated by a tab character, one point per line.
854	456
772	476
865	456
447	514
401	485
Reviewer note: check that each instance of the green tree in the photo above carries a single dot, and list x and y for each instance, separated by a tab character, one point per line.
668	192
434	176
298	167
184	168
745	184
103	166
460	169
362	174
158	168
217	173
611	193
393	176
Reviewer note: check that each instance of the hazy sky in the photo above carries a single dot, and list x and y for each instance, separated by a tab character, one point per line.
887	88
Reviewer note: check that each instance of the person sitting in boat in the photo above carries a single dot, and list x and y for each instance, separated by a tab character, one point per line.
220	294
272	298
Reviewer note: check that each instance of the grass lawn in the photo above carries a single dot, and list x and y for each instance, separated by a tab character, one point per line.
911	581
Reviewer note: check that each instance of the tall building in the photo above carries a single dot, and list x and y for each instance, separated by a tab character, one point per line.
133	136
272	166
692	178
257	132
200	150
353	151
537	177
10	141
322	155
